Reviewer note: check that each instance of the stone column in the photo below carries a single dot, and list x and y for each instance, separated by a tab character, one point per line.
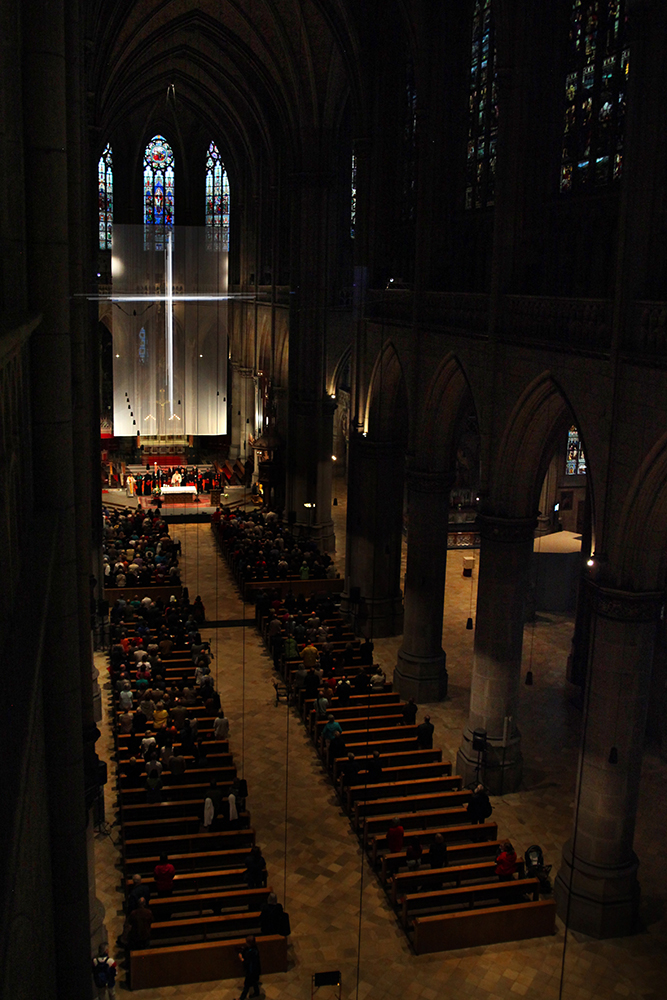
421	671
504	572
49	277
597	891
374	533
310	435
242	409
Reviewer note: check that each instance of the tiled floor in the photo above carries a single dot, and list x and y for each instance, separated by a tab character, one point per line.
339	915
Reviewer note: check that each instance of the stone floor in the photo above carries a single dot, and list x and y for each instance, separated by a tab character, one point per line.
339	915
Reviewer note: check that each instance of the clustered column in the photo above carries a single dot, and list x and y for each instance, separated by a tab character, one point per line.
504	571
597	891
372	597
421	669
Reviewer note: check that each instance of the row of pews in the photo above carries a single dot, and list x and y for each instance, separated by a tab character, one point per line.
463	904
198	929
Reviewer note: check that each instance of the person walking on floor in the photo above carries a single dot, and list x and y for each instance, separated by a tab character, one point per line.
251	967
104	974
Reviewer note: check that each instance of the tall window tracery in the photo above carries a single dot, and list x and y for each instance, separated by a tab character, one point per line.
158	192
483	111
105	198
595	94
409	143
353	195
217	201
575	464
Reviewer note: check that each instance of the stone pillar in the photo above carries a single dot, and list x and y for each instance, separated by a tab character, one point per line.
242	410
49	277
374	534
597	891
310	432
421	671
504	573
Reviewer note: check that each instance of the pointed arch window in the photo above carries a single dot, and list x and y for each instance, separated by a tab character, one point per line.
217	201
575	464
482	111
353	195
409	142
158	192
105	198
595	95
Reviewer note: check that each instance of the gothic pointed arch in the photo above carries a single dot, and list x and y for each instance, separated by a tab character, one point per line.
387	406
540	418
638	544
217	201
446	401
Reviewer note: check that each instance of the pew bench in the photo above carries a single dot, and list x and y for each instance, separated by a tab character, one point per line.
456	853
417	803
491	925
419	903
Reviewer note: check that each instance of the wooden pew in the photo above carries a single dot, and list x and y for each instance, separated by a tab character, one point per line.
473	928
476	832
414	821
360	793
359	710
417	803
407	882
193	862
398	758
393	777
364	723
188	843
456	854
202	962
192	882
468	896
175	792
166	908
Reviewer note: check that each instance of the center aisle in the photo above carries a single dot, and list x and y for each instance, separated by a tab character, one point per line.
323	860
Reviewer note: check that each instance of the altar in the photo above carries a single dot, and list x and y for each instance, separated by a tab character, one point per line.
178	494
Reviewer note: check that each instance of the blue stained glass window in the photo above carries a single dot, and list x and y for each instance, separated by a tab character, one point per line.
482	111
105	198
595	89
158	192
217	201
575	464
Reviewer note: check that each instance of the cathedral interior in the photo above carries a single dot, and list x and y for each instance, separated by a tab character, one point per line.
417	251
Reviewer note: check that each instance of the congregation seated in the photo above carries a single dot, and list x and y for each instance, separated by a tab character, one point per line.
137	550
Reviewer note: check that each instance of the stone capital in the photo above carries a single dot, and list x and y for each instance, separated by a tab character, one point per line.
422	481
624	606
510	530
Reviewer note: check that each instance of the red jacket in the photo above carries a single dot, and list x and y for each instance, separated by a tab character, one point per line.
506	863
395	839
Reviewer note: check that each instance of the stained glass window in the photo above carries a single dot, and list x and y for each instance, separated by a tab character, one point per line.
105	198
575	464
595	94
482	111
410	143
353	196
158	192
217	201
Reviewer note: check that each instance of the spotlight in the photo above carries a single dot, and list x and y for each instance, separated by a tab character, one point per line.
590	562
469	624
529	678
333	458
